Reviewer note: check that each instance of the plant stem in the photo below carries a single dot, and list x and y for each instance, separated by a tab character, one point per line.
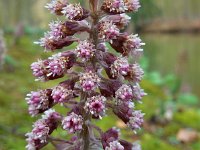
94	38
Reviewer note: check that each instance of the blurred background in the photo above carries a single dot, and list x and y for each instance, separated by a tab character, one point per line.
171	31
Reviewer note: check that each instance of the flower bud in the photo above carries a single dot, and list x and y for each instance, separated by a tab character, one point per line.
72	27
108	88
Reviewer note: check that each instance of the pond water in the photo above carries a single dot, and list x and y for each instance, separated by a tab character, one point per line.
177	54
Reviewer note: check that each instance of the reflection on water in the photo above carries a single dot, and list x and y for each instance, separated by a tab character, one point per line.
178	54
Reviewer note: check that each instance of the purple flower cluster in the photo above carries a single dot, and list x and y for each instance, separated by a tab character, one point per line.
85	50
42	128
98	80
96	105
72	123
120	6
89	81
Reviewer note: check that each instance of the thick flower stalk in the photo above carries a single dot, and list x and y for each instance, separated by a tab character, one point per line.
98	80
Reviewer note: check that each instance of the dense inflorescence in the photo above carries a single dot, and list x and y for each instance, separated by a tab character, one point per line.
98	80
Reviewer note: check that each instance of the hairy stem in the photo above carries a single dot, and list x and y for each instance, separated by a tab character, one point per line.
94	38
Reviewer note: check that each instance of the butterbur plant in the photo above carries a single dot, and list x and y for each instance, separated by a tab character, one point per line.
98	80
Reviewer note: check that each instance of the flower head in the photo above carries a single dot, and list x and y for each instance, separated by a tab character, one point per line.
124	19
89	81
85	50
124	93
108	31
57	28
120	20
57	65
72	122
114	6
40	131
47	41
135	120
39	69
74	12
37	101
56	6
133	42
52	115
61	94
120	66
31	142
96	105
135	73
138	93
132	5
115	145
